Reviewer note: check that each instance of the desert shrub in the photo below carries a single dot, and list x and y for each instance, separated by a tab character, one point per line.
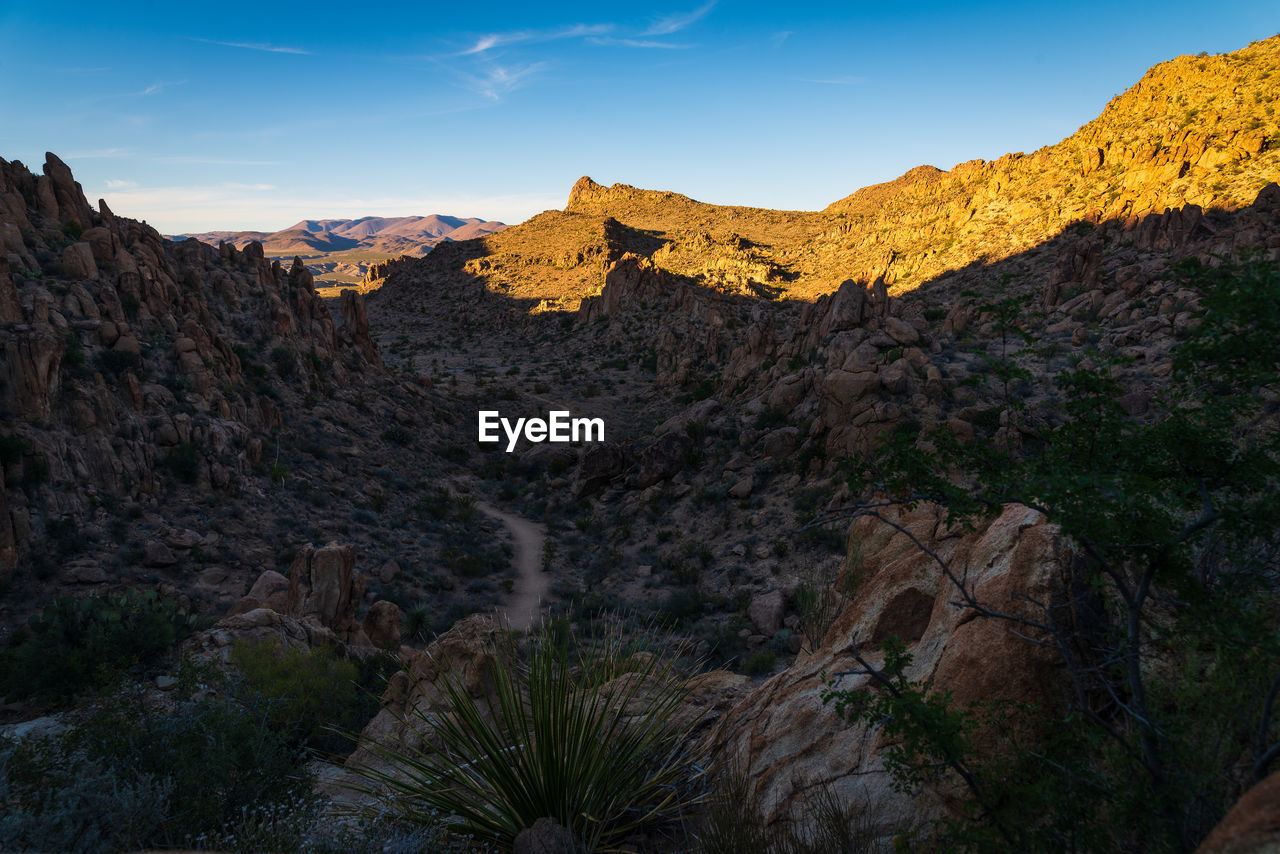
56	800
115	362
552	739
11	449
769	418
397	435
312	697
822	538
1163	621
284	362
732	821
80	643
759	663
35	470
417	624
127	777
680	606
73	358
183	461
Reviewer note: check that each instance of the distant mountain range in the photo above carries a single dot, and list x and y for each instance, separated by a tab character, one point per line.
387	236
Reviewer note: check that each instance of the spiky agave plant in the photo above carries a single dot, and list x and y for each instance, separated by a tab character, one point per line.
581	731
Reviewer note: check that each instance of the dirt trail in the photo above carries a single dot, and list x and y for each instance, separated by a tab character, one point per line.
525	603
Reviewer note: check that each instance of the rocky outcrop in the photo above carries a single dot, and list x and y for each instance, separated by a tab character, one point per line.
132	366
325	586
381	625
598	464
355	326
1252	826
466	653
788	742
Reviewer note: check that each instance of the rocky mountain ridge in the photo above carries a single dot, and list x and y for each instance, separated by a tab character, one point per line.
391	236
1197	130
179	415
195	420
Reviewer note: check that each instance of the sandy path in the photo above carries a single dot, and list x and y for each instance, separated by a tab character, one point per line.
525	602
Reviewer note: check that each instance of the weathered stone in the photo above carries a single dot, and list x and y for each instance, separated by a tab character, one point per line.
901	331
78	263
663	458
382	624
325	586
788	739
546	836
599	463
157	554
1252	826
766	611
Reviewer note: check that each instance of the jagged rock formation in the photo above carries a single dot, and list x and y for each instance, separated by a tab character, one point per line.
1194	131
315	606
789	743
137	374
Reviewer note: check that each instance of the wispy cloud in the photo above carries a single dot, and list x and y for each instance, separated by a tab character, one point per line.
156	88
496	40
639	43
780	36
263	46
113	184
669	24
497	80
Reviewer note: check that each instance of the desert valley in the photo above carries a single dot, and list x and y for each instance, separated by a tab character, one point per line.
943	518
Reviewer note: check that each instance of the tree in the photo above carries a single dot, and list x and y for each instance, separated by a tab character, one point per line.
1175	519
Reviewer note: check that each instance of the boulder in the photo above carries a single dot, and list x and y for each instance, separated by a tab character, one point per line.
78	263
786	739
766	611
156	554
901	331
1252	826
382	624
271	590
599	463
325	586
547	836
663	458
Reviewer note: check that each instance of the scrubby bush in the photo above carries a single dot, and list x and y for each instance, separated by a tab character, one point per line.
77	644
115	362
1163	621
312	697
759	663
128	777
732	822
183	461
559	736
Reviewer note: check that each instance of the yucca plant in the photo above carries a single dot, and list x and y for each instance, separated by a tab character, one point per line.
583	733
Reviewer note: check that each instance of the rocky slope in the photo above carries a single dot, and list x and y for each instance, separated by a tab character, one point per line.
339	252
195	419
1197	130
184	417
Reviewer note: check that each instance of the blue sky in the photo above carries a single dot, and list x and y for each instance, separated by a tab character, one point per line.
256	115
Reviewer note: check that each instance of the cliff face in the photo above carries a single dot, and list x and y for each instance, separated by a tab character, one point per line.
1195	130
127	360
